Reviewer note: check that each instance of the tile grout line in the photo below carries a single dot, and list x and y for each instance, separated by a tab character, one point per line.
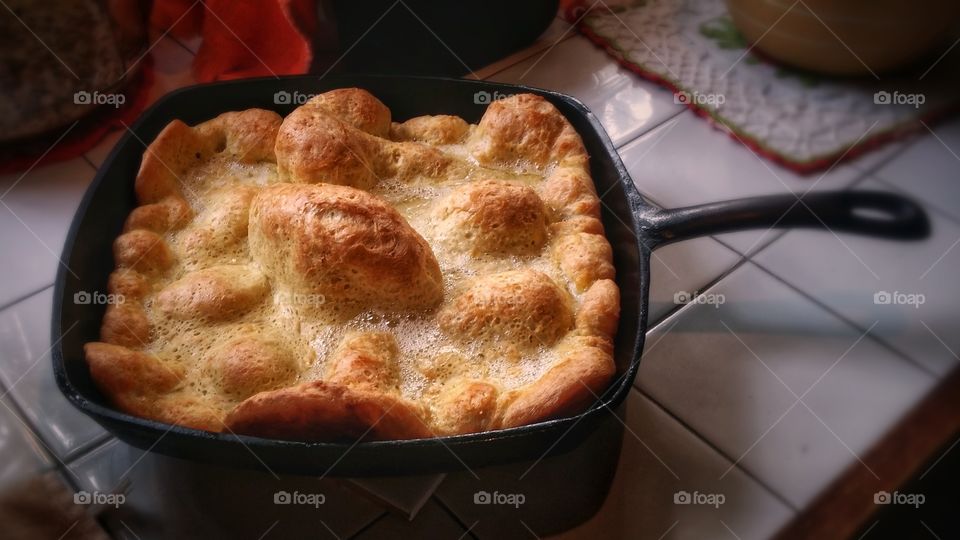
368	525
24	297
647	131
89	447
879	341
53	461
707	286
699	436
466	529
865	175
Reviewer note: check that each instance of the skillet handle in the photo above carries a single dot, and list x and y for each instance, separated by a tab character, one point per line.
873	213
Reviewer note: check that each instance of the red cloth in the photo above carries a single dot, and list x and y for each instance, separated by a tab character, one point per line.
251	38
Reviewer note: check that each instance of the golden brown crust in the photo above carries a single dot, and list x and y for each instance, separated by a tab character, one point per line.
129	284
248	136
439	129
131	379
568	387
365	360
143	251
314	146
466	406
171	213
599	311
125	324
493	217
526	128
584	258
345	244
324	411
524	307
215	293
250	364
274	280
355	107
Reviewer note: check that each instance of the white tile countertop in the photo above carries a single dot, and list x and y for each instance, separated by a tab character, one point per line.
764	397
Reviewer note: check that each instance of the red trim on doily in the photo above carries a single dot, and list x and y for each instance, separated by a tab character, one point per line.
574	11
86	134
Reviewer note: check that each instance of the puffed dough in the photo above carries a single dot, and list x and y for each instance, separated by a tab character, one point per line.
526	128
365	336
440	129
250	364
599	311
524	307
246	136
130	378
125	324
365	360
169	214
324	411
314	146
215	293
355	107
345	244
466	406
129	284
143	251
492	217
568	387
584	258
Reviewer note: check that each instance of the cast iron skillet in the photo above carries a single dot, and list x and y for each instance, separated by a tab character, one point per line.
634	227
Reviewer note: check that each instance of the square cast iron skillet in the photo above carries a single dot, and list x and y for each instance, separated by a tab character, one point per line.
634	228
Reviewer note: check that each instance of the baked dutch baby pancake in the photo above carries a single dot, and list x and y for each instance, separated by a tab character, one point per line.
335	275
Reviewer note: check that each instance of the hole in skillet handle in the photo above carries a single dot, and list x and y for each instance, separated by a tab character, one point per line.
872	213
